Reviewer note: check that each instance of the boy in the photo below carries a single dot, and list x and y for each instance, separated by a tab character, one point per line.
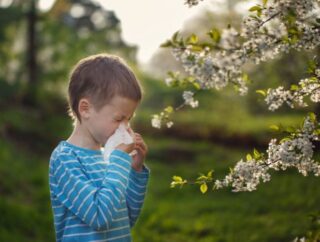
95	200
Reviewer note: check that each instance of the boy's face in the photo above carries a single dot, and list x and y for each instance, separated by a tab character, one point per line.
102	124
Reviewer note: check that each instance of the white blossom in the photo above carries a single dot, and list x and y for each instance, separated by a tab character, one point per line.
308	86
156	121
169	124
189	100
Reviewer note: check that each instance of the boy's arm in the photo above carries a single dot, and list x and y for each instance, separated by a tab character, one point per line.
136	192
96	207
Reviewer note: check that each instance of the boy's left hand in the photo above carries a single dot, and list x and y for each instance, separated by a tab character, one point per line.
141	153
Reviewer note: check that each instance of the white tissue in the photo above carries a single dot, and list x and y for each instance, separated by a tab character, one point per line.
121	135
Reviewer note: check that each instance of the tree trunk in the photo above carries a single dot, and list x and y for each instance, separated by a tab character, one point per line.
30	98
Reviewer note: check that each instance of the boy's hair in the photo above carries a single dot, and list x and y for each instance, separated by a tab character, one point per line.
99	78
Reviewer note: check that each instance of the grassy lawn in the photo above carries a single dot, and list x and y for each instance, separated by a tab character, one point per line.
276	212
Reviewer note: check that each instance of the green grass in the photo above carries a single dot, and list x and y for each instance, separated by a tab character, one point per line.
277	211
25	203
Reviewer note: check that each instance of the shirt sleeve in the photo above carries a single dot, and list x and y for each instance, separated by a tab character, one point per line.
136	191
95	206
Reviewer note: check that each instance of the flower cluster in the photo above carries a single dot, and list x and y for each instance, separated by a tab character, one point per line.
245	176
307	87
294	152
275	28
286	26
192	3
189	100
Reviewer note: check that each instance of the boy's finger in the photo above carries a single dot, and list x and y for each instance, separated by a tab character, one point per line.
142	147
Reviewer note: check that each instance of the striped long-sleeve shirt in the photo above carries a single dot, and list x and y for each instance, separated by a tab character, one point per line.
94	200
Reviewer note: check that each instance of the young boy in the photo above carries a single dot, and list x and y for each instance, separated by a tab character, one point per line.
95	200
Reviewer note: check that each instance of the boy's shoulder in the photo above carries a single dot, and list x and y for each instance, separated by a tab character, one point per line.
61	149
66	151
62	152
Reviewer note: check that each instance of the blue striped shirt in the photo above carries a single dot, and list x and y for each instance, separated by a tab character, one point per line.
94	200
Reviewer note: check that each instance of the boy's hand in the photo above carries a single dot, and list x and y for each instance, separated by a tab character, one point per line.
126	148
142	150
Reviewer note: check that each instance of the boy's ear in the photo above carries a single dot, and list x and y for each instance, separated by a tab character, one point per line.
84	108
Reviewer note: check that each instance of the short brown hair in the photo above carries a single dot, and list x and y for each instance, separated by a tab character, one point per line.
99	78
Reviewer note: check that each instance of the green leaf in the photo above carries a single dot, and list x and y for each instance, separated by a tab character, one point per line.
312	116
294	87
255	8
175	36
284	139
210	173
264	2
316	132
168	43
262	92
274	127
215	35
169	109
203	177
290	129
249	157
203	187
193	39
245	78
177	178
256	154
196	85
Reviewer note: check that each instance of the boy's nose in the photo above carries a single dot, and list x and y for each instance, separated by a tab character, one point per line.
126	124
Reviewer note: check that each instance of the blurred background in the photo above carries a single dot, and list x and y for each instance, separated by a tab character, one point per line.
41	40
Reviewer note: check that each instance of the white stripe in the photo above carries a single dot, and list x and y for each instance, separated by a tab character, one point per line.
118	228
84	200
94	171
116	180
136	201
119	219
96	163
140	186
115	156
93	218
70	161
135	208
111	191
85	215
77	197
72	226
72	217
118	237
138	193
122	167
87	233
108	210
115	208
105	219
116	172
64	187
57	206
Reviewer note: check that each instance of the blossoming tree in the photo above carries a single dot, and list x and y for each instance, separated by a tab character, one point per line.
272	28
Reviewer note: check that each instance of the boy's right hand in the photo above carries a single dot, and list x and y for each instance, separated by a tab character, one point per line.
129	147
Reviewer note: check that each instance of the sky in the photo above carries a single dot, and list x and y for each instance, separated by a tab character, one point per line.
149	23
